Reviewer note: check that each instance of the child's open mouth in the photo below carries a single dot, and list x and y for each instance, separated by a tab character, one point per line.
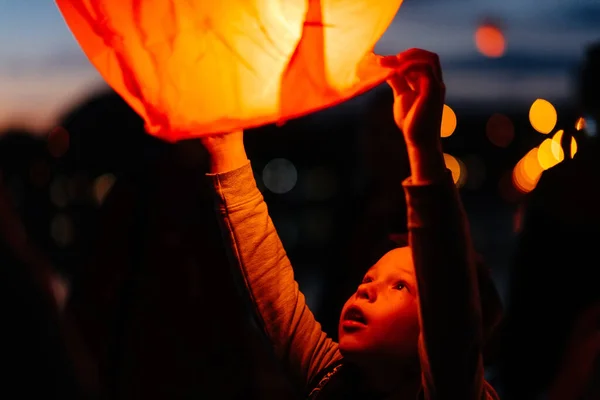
354	319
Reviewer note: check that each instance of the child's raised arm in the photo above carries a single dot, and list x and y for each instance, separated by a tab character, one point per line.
450	342
257	252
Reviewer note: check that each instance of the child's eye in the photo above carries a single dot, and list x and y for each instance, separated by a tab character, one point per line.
366	280
400	286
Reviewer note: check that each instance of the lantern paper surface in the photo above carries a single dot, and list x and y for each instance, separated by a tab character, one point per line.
196	67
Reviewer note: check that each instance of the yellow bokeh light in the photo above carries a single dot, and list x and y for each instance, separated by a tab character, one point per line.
557	149
547	156
580	124
457	168
448	121
543	116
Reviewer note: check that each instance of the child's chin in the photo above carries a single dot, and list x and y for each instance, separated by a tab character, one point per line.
350	346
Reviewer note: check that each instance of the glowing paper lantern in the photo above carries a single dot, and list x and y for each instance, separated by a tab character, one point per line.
197	67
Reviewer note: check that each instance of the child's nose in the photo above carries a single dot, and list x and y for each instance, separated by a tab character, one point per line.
367	292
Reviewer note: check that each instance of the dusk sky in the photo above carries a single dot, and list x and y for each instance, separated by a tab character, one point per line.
43	72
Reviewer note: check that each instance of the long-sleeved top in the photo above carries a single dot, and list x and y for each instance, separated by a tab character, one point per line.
450	341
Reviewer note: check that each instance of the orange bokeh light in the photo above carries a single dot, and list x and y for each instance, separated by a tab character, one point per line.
490	41
543	116
527	172
449	121
580	124
557	149
458	169
500	130
547	157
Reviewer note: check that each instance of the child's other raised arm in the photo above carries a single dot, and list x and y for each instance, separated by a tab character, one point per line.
258	254
450	343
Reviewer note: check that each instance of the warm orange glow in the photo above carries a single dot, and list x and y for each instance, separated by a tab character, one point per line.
557	149
543	116
490	41
527	172
448	121
500	130
458	169
197	67
547	156
580	124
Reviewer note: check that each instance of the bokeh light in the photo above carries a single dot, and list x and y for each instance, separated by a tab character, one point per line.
280	175
61	230
546	157
458	169
102	186
556	146
543	116
527	172
449	121
500	130
580	124
490	40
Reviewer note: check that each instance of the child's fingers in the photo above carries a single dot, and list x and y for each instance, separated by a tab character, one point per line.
398	84
411	58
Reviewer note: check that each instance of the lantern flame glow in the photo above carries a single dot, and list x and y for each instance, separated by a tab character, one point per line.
193	68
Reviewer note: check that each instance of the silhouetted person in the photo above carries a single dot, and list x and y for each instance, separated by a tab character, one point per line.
35	354
551	336
156	301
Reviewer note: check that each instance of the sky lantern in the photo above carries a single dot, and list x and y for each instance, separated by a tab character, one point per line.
197	67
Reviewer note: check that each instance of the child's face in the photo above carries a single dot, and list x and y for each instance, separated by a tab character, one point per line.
381	319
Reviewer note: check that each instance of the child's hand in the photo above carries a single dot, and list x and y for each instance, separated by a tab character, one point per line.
419	94
226	151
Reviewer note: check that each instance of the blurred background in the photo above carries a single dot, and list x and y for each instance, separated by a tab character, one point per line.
512	68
